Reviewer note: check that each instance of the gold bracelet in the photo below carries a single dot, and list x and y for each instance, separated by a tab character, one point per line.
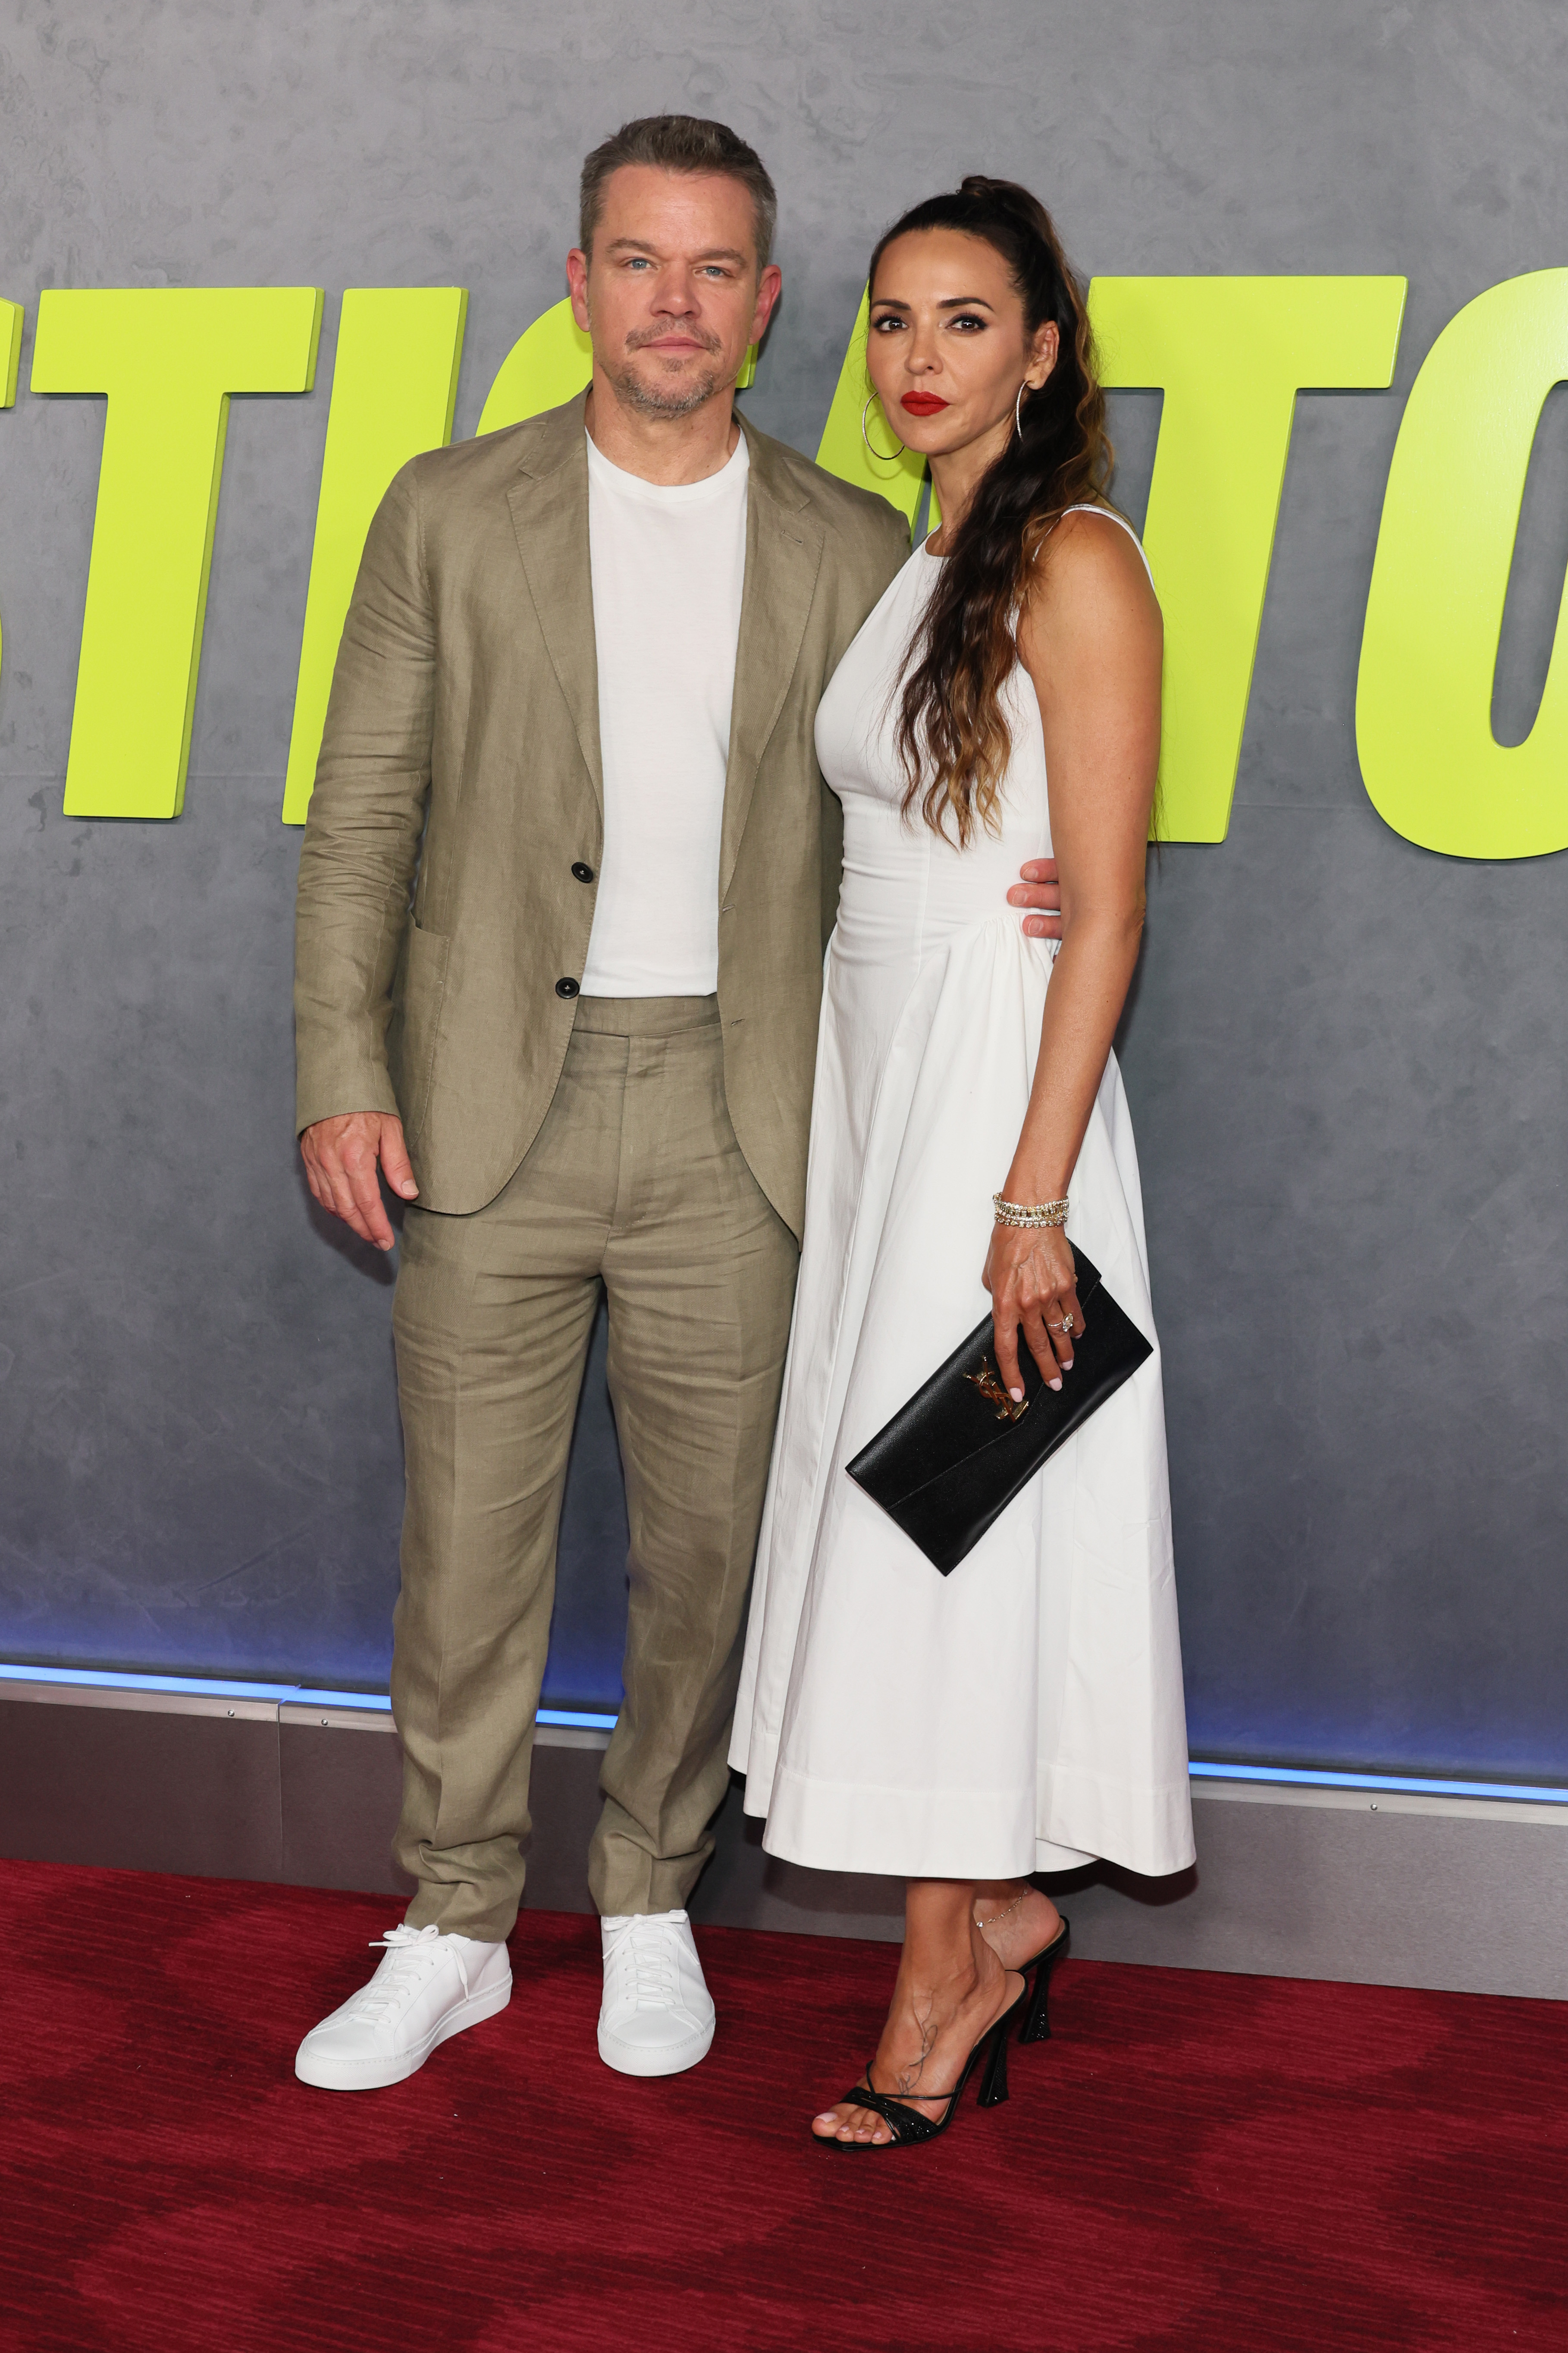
1030	1213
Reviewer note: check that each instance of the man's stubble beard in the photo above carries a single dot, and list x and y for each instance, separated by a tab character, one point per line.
649	401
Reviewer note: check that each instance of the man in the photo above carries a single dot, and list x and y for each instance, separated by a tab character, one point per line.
564	890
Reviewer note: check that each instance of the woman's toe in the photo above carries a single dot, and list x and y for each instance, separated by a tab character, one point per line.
851	2126
836	2124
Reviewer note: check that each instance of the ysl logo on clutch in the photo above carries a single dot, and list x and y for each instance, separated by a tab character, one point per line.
992	1390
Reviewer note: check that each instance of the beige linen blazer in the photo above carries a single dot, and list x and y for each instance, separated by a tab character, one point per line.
459	800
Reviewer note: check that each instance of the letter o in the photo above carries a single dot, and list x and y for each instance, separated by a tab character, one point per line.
1433	768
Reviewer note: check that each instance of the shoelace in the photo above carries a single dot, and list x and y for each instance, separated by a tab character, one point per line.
647	1952
385	1995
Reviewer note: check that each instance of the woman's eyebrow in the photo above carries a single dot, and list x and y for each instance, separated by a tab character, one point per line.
948	302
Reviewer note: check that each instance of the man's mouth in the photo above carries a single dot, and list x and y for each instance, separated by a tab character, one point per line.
672	344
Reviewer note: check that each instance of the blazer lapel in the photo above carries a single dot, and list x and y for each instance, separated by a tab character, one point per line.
784	557
549	506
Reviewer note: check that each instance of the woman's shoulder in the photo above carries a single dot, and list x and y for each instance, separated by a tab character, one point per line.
1092	555
1100	535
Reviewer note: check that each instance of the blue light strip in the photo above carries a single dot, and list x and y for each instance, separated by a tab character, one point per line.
577	1719
294	1694
1302	1776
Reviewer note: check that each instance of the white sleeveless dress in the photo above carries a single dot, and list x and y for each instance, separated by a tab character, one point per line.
1027	1711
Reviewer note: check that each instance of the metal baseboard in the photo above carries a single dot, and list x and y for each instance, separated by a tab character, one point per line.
1290	1882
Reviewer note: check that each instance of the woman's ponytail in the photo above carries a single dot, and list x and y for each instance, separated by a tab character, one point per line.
951	733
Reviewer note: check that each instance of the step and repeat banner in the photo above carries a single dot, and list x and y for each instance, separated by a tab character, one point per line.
249	263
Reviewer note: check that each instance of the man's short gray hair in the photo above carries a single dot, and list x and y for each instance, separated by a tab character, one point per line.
680	142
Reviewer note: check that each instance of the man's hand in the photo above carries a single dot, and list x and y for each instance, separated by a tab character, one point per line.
1040	890
341	1157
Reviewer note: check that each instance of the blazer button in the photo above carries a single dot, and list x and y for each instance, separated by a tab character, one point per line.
567	988
582	873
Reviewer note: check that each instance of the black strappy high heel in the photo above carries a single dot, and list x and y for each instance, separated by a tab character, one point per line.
906	2124
1036	2026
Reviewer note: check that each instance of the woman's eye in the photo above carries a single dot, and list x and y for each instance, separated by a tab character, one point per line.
967	319
885	326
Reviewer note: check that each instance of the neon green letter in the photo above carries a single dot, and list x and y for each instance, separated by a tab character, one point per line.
168	358
549	362
1231	355
843	450
395	385
1432	766
10	352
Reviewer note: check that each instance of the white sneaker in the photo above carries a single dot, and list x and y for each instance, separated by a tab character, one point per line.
658	2013
429	1987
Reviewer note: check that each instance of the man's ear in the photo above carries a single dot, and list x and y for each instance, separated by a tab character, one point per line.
577	285
769	285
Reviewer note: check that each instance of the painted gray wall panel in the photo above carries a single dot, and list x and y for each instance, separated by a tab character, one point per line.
1342	1055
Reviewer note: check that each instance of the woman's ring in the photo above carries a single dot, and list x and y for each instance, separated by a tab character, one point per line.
1066	1320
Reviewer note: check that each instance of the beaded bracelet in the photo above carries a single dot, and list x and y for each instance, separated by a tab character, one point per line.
1031	1213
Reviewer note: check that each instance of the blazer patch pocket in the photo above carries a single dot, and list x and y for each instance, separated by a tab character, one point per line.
424	991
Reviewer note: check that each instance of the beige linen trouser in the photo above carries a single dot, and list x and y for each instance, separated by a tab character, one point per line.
635	1180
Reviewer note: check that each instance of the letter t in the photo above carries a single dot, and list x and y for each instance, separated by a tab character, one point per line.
168	358
1230	354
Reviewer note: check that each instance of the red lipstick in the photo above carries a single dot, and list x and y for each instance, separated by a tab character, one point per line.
922	403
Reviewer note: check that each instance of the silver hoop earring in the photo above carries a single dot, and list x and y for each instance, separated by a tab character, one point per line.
1018	407
883	457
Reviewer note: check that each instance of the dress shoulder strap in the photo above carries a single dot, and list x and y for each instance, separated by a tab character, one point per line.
1111	516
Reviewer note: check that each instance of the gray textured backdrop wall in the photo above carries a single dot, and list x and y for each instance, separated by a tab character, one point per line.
1343	1054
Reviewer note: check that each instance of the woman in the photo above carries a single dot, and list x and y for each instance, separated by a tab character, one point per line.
1026	1713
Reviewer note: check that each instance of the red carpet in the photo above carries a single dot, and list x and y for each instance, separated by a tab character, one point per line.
1195	2164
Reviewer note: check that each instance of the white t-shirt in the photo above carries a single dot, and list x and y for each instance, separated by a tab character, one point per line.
668	567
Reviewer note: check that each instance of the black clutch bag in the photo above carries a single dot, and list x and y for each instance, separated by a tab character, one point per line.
952	1459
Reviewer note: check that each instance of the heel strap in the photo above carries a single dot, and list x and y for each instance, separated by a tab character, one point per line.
1051	1953
912	2095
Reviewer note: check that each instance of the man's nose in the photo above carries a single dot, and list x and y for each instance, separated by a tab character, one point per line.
676	294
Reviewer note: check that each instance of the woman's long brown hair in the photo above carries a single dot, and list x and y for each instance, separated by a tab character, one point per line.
952	734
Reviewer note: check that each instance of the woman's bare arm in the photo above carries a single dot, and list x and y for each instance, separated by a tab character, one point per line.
1091	641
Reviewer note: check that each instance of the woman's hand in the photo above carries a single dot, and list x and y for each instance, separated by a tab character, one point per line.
1032	1280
